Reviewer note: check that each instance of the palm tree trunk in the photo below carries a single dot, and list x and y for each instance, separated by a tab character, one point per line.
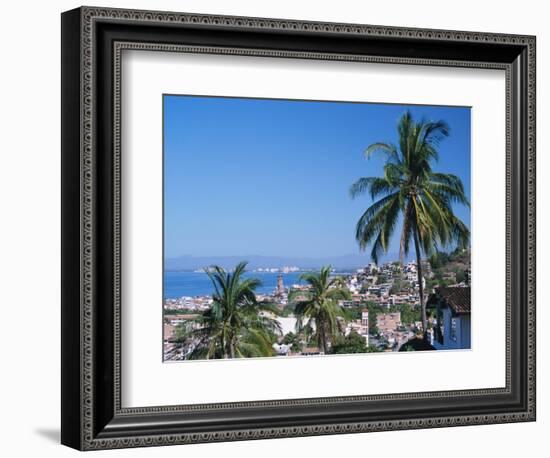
225	345
232	348
323	340
420	287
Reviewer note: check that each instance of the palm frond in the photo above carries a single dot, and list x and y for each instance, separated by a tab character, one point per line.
386	148
407	230
374	219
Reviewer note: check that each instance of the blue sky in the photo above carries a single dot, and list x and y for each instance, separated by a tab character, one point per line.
271	177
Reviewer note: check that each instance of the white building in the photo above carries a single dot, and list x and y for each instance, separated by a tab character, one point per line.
452	308
365	325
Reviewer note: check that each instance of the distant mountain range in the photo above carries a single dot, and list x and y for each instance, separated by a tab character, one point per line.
189	262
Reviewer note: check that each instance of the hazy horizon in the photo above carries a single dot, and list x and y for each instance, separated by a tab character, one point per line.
190	262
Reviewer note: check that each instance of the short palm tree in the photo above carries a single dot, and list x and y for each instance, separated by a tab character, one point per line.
411	189
317	310
236	325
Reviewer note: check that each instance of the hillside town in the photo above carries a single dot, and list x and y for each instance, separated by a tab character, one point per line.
381	313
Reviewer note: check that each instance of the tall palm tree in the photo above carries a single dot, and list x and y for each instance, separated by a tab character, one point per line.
411	189
317	310
236	325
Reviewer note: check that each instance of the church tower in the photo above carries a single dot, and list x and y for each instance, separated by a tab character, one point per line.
280	287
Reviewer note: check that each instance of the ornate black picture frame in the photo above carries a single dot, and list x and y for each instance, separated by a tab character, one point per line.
92	41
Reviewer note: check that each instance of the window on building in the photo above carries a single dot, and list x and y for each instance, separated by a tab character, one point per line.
454	325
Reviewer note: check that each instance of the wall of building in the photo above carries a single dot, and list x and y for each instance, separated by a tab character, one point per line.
466	331
462	331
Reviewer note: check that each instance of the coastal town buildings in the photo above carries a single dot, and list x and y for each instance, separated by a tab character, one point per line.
385	289
360	326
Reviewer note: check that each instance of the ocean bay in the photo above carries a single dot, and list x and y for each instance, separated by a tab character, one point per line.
178	284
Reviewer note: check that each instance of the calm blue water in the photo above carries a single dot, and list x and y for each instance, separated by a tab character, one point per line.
178	284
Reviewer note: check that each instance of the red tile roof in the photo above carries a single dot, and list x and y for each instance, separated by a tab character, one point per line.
458	298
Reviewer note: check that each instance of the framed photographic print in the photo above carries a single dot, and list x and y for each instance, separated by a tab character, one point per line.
278	228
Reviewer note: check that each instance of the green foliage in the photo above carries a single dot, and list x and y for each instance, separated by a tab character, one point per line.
398	286
234	326
409	314
352	343
287	310
353	313
319	306
295	342
443	263
439	259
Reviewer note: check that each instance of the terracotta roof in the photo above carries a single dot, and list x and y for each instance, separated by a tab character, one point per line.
458	298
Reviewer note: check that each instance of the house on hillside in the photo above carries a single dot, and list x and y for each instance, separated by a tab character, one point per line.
451	308
386	322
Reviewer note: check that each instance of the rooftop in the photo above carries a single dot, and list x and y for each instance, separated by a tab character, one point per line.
457	298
